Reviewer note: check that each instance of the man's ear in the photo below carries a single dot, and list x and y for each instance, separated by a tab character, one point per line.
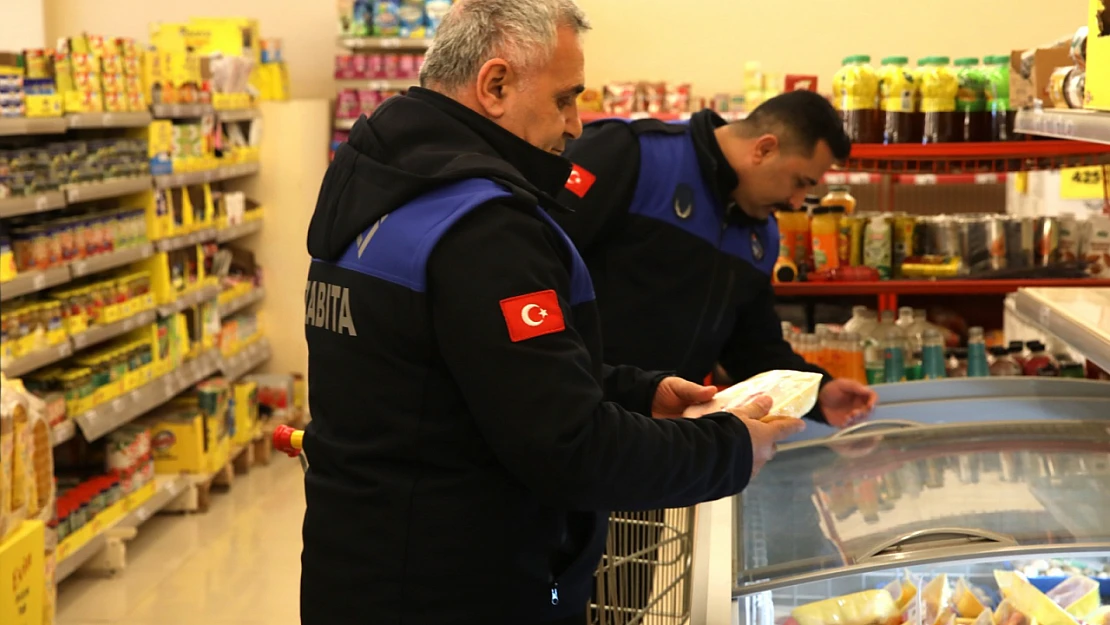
764	147
493	79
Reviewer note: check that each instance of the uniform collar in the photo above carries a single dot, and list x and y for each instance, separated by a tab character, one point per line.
714	167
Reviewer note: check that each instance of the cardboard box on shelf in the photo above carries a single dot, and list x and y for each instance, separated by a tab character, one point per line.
1026	91
1098	56
23	569
178	441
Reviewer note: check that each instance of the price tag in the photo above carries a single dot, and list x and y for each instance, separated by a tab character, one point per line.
63	350
925	179
390	43
859	178
80	268
128	324
989	178
80	340
118	404
836	178
108	119
41	203
1082	183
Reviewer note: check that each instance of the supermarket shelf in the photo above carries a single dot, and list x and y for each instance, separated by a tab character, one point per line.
927	287
345	124
1080	319
15	126
230	233
239	303
107	189
862	178
111	415
185	240
245	360
593	116
181	111
38	359
111	260
15	206
167	489
170	181
997	157
189	299
238	115
1080	125
100	333
33	281
63	432
109	120
381	84
383	43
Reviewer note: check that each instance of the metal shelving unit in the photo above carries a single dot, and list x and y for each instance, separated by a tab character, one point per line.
245	360
239	303
16	206
170	181
17	126
107	189
1073	124
139	119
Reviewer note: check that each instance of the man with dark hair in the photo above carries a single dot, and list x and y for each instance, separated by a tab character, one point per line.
676	224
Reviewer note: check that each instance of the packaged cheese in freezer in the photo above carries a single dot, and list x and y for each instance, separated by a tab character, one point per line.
794	394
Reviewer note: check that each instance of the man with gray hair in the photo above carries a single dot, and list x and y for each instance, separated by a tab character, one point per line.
466	439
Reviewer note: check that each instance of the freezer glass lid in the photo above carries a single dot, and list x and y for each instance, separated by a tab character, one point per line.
939	492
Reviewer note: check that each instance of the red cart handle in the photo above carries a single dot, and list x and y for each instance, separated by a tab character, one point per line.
288	440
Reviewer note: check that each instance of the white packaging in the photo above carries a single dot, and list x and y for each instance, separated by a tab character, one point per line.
794	394
1096	251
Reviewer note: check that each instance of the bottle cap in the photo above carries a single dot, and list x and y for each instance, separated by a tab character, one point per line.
856	58
1035	346
896	60
966	61
999	350
1016	347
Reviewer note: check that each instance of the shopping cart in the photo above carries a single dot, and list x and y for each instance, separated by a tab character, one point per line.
644	575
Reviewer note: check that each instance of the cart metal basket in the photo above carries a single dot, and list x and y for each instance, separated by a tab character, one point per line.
644	575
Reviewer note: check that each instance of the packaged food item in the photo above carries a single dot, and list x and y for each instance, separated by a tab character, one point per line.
1046	241
411	16
856	90
877	244
794	394
436	10
902	249
825	234
971	100
387	18
862	608
898	93
939	88
1096	248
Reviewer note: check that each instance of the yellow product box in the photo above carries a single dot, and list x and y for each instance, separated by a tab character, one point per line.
7	266
1098	56
231	101
23	575
233	36
272	82
52	105
177	442
245	411
219	454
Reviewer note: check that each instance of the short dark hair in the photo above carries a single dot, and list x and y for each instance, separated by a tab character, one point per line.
800	119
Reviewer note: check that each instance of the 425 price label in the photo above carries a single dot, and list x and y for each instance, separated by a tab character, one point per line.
1083	183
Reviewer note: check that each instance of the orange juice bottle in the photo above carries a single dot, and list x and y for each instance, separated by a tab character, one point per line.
854	368
825	233
839	195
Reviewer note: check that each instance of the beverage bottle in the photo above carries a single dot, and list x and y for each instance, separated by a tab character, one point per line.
854	367
1069	367
956	366
932	356
894	356
853	324
1039	362
914	347
788	334
1017	352
1002	364
977	366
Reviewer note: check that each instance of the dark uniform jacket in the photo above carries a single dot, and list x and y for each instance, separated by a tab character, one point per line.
463	449
682	275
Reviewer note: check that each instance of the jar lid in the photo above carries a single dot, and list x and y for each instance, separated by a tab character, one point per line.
856	58
896	60
966	61
839	187
836	209
996	59
821	210
999	350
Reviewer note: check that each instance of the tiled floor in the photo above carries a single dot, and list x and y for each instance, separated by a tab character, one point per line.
238	564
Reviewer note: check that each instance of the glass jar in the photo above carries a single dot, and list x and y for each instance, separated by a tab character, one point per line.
1002	364
856	86
939	87
899	93
971	101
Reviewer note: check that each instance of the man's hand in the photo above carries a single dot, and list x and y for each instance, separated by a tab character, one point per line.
765	436
846	402
674	395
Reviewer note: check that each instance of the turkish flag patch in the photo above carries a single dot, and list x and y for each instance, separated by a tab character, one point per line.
532	315
580	181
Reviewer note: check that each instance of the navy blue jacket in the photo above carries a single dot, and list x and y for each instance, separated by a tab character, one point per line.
465	446
682	275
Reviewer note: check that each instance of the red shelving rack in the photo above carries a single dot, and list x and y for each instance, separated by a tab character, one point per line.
889	290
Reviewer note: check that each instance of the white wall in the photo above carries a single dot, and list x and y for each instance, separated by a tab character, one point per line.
22	25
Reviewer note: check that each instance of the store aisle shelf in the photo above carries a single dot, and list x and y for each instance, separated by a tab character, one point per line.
1075	124
239	303
227	172
139	119
243	362
16	126
166	489
384	43
106	189
185	240
593	116
181	111
63	432
38	359
927	287
975	158
99	333
111	260
380	84
15	206
33	281
187	300
230	233
1078	317
238	115
124	409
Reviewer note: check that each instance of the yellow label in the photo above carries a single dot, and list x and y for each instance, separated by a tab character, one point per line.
1082	183
938	105
897	90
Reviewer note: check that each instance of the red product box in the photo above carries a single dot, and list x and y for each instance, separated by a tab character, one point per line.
392	66
361	66
344	66
801	82
368	100
407	67
377	66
